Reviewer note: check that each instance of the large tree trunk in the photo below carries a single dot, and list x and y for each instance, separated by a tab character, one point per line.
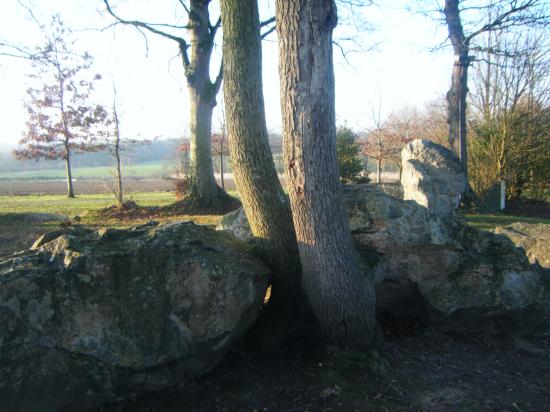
341	295
202	183
456	97
263	198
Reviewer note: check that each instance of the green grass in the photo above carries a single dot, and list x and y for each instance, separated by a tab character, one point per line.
148	169
19	226
490	221
61	205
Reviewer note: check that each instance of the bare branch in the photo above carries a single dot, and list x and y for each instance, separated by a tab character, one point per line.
268	32
219	78
185	7
267	22
505	19
214	28
183	46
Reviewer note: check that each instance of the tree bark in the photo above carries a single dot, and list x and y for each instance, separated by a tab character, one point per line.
70	191
221	172
341	296
119	193
456	97
262	195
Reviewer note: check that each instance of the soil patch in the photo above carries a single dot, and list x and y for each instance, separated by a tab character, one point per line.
423	371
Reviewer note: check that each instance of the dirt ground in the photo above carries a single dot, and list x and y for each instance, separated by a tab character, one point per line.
422	371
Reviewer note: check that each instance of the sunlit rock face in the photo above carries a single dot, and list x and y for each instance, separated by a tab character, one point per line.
432	176
534	239
438	267
91	316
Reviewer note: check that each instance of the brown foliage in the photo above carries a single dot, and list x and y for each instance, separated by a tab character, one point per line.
60	117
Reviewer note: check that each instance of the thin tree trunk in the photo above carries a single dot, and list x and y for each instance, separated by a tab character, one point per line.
379	170
119	194
221	170
70	191
263	198
66	134
341	296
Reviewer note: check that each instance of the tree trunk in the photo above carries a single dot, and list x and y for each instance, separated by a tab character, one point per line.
341	296
204	192
221	171
203	187
119	193
263	198
379	170
456	97
70	191
118	190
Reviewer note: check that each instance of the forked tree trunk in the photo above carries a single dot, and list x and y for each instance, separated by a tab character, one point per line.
203	192
341	295
264	201
203	189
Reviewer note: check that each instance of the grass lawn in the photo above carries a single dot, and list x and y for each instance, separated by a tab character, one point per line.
21	223
490	221
62	205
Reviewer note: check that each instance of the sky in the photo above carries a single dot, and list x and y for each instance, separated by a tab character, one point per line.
396	67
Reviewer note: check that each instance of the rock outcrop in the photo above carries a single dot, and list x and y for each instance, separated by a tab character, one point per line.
432	176
458	277
90	316
534	238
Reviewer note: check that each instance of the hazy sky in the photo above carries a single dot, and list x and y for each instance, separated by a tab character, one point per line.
152	97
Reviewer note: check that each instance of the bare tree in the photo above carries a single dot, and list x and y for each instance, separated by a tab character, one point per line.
118	147
491	15
195	50
220	146
341	295
511	101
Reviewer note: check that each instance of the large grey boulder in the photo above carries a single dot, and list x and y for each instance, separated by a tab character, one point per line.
458	277
432	176
90	316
